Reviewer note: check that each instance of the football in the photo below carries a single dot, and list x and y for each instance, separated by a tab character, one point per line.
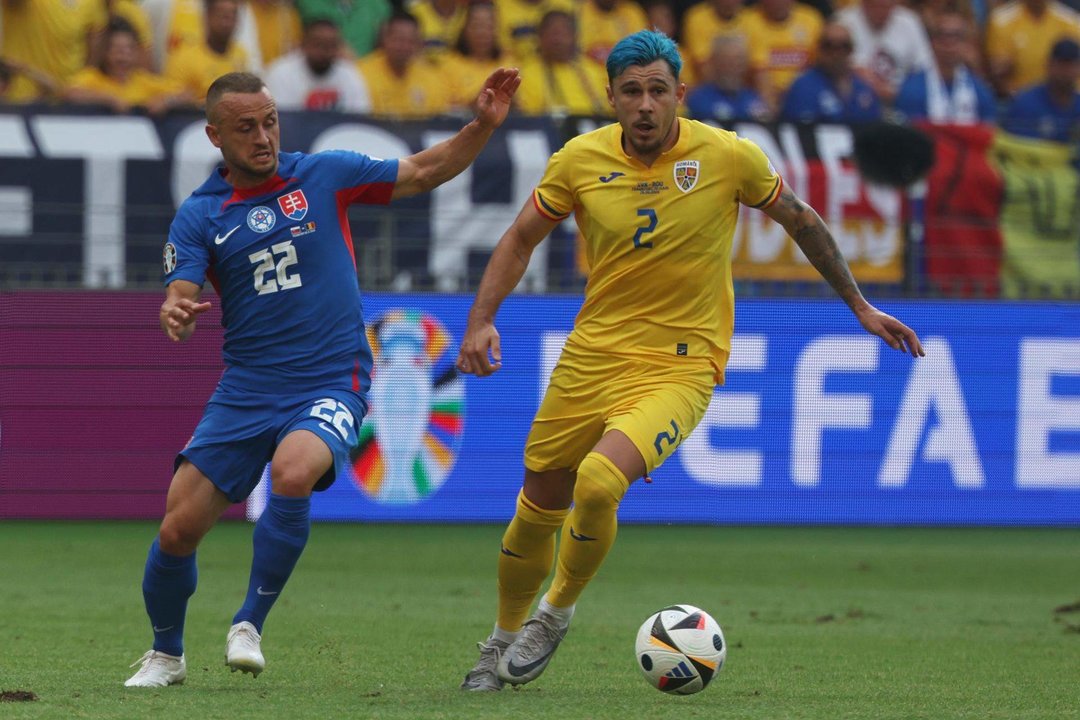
680	649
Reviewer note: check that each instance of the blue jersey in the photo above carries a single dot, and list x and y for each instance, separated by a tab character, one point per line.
709	102
813	98
1032	113
913	100
280	256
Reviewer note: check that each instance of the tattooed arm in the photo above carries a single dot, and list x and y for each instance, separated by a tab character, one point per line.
817	243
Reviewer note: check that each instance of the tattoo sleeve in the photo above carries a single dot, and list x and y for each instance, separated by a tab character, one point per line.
816	242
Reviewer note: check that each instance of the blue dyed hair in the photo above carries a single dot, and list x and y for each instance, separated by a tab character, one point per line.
642	48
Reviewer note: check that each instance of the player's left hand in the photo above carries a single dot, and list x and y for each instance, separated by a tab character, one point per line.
493	104
896	334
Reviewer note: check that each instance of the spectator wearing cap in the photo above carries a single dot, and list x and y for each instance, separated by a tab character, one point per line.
947	92
315	76
1050	110
1019	37
831	91
726	97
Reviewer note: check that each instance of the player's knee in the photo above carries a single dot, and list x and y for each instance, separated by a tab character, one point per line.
291	478
178	538
600	486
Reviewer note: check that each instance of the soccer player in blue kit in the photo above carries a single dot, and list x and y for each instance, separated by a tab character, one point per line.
270	232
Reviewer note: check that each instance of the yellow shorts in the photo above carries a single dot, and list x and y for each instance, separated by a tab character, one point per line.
654	405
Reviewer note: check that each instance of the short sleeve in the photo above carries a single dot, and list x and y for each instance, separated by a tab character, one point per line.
553	197
759	184
357	178
186	255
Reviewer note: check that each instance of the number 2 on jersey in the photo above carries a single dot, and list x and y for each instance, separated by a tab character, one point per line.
651	214
335	413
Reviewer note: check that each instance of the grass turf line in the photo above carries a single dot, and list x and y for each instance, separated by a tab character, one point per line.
381	622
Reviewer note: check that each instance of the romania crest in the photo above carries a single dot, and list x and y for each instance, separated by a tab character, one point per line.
686	174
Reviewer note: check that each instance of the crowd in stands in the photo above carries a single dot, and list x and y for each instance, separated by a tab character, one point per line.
946	61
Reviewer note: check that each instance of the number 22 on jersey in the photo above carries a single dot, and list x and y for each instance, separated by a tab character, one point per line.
277	259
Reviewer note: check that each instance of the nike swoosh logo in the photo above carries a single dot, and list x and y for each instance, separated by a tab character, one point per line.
263	592
579	536
508	552
218	239
525	669
611	177
157	629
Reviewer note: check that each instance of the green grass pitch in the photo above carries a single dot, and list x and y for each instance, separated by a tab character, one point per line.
382	621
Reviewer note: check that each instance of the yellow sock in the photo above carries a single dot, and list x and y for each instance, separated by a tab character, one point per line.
589	531
528	550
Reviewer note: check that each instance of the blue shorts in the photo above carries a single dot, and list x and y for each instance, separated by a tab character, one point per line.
240	431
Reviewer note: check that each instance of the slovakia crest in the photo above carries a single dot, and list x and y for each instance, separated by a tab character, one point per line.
686	174
294	205
261	219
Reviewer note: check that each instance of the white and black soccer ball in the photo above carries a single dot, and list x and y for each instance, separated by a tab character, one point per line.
680	649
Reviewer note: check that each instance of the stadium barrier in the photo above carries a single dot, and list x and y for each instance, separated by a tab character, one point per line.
818	422
87	200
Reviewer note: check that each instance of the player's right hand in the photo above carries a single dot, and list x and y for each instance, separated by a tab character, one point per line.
178	318
480	352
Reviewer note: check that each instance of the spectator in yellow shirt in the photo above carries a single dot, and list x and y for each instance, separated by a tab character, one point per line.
118	81
51	36
558	80
401	83
475	55
605	22
278	26
519	20
1019	37
195	66
783	38
440	24
705	22
47	87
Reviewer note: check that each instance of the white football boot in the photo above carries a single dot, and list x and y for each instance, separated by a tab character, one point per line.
158	670
242	651
483	677
527	656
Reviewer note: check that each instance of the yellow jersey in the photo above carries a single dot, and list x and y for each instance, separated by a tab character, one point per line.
573	88
1014	34
440	34
598	31
464	77
278	26
518	20
782	51
701	25
48	35
140	88
422	92
658	239
195	67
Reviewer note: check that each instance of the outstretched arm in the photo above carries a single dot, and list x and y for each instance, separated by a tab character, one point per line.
504	271
432	167
180	309
808	230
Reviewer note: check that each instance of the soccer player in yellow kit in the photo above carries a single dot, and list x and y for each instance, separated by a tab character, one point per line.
656	197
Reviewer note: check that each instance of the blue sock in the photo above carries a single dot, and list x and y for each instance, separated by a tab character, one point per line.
168	582
279	538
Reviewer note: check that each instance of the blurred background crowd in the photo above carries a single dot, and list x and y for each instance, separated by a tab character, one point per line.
946	61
